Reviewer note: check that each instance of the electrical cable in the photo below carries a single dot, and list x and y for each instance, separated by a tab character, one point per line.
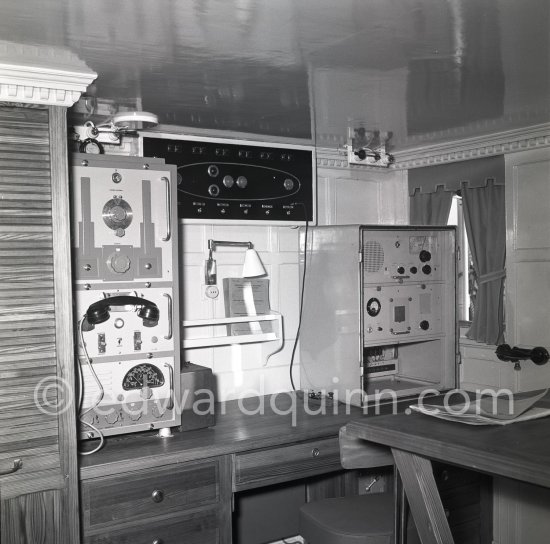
301	298
81	392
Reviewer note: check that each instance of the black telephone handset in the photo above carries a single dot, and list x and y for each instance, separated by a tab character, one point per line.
538	355
98	312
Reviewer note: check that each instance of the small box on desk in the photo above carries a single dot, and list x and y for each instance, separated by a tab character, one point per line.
197	397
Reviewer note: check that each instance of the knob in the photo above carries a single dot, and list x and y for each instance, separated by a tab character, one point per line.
119	263
116	177
424	325
427	269
361	154
158	541
401	270
228	181
118	213
242	182
213	190
414	270
213	170
315	452
425	256
87	267
288	184
157	495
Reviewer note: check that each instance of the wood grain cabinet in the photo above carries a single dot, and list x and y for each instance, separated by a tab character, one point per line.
182	503
38	474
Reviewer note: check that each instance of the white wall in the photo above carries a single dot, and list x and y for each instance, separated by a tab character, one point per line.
345	196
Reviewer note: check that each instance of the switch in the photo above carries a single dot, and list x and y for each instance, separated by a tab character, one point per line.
101	343
137	341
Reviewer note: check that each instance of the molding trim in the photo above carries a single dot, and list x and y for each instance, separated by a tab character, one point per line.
41	75
498	143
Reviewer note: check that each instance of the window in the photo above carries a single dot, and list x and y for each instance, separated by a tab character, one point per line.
466	277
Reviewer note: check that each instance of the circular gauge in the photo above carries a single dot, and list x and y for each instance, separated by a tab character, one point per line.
373	307
117	214
144	375
91	146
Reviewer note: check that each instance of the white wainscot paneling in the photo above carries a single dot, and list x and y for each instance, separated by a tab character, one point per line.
193	239
532	303
288	240
261	237
253	382
481	369
532	195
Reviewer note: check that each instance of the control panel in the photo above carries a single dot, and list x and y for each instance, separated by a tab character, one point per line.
403	280
235	181
125	287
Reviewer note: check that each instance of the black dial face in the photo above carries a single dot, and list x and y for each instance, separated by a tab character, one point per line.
373	307
143	375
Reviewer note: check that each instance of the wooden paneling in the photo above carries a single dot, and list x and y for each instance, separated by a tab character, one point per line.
27	298
33	519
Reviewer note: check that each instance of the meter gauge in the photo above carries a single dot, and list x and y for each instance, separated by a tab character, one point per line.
143	376
373	307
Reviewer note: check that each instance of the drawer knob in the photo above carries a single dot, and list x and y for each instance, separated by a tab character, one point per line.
158	541
17	464
157	496
315	452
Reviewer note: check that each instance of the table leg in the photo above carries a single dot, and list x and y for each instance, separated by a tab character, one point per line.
423	496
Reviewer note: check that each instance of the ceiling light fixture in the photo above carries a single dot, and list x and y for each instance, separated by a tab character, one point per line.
135	120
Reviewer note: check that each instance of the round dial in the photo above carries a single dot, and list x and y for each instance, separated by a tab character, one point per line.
144	375
373	307
117	213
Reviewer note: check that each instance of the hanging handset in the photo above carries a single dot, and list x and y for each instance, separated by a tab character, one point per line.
98	312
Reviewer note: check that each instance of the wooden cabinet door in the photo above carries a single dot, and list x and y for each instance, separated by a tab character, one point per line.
37	415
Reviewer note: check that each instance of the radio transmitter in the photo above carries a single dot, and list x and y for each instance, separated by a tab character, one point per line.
378	318
126	293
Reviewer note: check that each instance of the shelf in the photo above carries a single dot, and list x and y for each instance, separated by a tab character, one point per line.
226	340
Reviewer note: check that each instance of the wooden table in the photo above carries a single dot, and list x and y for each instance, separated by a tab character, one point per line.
519	451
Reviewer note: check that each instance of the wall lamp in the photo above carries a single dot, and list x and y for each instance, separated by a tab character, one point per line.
252	266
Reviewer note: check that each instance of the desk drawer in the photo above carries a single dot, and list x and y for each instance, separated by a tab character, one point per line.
201	527
281	464
148	493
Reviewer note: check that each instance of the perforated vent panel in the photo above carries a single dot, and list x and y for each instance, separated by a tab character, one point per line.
373	256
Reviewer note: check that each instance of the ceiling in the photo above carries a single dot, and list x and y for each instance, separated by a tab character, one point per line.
425	70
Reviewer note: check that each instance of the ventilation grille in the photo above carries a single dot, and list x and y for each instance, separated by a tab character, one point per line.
373	256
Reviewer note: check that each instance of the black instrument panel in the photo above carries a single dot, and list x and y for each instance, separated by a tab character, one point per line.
240	181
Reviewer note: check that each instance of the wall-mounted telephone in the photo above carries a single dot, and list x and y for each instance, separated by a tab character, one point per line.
538	355
98	312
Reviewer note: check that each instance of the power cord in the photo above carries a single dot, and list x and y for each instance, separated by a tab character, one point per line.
81	392
301	297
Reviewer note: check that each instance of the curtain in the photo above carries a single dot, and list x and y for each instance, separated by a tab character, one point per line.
485	218
431	208
481	182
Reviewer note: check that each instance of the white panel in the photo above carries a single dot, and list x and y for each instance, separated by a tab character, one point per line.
532	196
288	240
356	201
193	239
531	303
289	293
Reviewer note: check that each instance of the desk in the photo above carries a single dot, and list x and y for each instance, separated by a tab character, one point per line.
142	489
518	451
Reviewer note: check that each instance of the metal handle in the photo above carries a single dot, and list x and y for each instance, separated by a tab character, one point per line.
400	277
17	464
168	209
171	372
315	452
170	315
402	332
157	495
